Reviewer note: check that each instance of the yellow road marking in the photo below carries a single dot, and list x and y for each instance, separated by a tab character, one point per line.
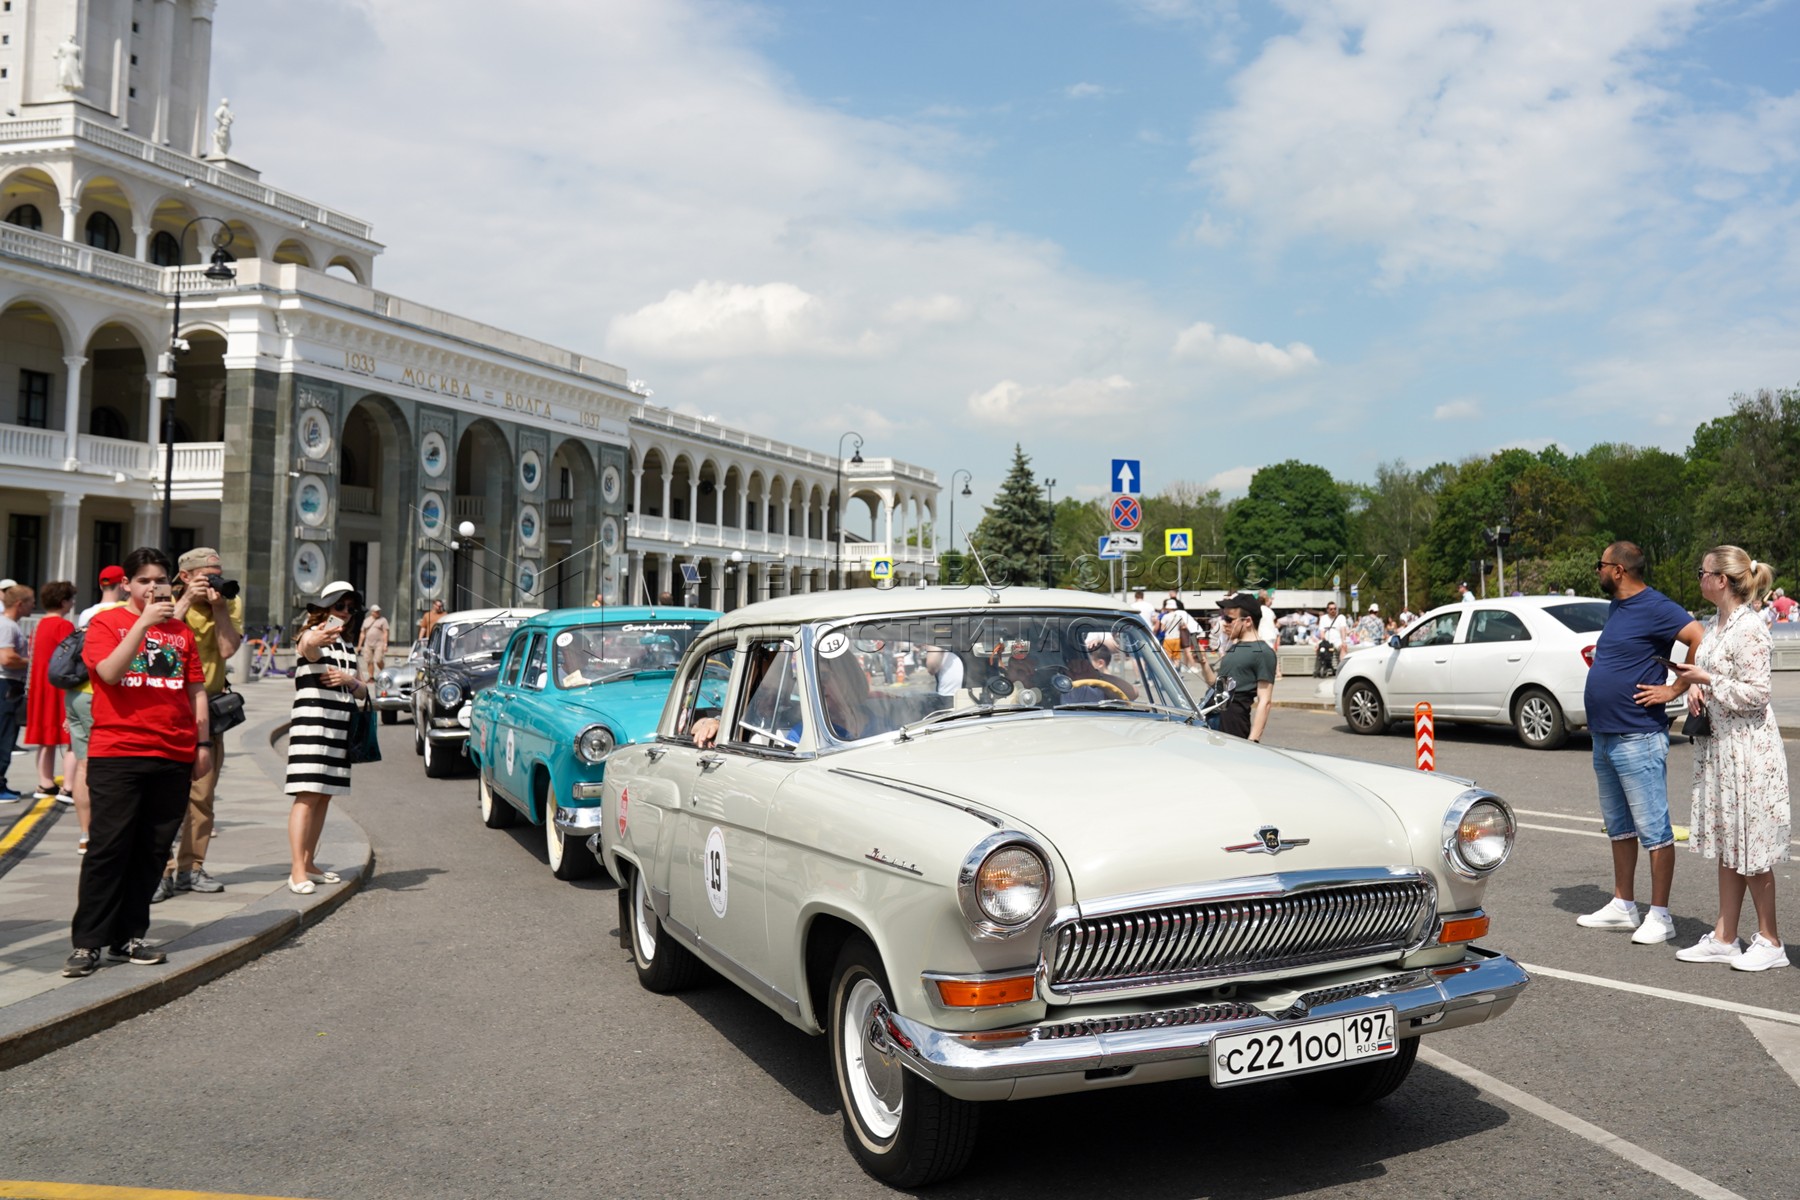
26	823
22	1189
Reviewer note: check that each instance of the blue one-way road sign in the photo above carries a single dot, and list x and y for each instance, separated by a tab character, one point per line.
1127	479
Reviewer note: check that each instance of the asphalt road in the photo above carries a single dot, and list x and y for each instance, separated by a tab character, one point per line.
468	1027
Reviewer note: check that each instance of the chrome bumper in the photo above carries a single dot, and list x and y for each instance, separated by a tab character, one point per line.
1484	984
579	820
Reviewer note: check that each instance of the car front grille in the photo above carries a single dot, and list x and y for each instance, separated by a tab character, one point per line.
1240	935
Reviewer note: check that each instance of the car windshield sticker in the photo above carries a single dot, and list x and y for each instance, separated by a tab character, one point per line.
834	644
716	870
624	807
661	627
511	752
563	639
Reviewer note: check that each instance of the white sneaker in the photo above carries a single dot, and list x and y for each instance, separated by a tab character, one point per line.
1710	949
1654	929
1610	916
1760	955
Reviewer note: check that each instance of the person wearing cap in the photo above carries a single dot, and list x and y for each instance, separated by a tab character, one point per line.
112	594
326	693
1247	668
218	631
151	739
372	643
15	666
1369	629
1464	594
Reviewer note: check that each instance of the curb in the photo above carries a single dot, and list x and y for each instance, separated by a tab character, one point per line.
45	1023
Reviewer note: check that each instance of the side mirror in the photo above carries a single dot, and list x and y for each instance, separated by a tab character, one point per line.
1394	640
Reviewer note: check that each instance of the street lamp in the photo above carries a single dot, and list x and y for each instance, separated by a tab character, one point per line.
856	459
1050	534
965	491
219	272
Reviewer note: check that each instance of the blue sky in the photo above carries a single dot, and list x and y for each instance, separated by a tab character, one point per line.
1209	235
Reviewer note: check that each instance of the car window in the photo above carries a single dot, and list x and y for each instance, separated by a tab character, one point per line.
770	715
515	656
1582	616
587	654
534	677
1434	631
703	690
477	638
1497	625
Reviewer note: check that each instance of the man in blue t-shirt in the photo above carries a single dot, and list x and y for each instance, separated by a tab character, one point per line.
1626	694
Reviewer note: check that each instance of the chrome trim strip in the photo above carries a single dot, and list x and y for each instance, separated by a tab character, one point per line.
1483	985
921	793
579	820
930	978
732	969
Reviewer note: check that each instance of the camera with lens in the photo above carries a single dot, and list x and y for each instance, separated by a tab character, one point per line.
227	588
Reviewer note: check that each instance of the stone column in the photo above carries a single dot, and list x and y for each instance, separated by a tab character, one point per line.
63	533
146	523
199	77
71	209
140	241
637	492
693	505
667	516
72	415
160	68
153	430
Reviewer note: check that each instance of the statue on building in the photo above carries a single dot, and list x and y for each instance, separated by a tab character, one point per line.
222	119
68	64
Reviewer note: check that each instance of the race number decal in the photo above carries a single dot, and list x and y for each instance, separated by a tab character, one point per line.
717	871
511	751
834	644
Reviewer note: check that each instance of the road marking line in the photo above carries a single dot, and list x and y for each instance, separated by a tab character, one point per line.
26	823
24	1189
1730	1006
1781	1041
1560	829
1636	1155
1533	812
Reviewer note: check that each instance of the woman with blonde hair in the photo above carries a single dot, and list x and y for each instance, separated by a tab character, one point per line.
326	690
1741	812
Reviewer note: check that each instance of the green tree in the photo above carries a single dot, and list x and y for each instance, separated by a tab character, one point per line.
1291	526
1011	539
1747	469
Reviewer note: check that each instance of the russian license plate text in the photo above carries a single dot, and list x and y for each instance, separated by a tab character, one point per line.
1308	1046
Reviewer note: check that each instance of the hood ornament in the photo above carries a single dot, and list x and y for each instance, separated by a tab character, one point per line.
1268	841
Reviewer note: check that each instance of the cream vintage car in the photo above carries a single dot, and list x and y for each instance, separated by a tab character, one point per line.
985	843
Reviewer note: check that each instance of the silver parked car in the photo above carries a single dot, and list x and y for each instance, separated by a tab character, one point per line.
986	846
394	686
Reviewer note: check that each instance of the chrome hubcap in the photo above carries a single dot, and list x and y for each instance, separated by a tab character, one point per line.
553	841
1362	707
875	1078
1534	716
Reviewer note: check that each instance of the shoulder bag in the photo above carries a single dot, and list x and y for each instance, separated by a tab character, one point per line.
66	669
227	709
365	740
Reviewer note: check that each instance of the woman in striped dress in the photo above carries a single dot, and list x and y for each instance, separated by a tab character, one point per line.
326	691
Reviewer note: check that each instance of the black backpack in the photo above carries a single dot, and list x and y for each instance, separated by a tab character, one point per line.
66	669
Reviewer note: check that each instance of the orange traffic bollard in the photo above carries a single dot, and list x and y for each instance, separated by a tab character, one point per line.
1424	737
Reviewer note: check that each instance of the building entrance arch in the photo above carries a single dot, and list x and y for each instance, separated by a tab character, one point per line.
487	497
375	484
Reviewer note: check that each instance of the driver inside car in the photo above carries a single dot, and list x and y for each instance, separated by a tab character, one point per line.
1091	683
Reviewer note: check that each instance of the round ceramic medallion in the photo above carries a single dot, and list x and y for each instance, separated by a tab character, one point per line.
311	501
528	580
309	569
315	434
610	483
609	534
431	515
531	470
531	525
430	576
433	457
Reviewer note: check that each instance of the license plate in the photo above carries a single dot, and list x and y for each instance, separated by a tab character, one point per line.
1307	1046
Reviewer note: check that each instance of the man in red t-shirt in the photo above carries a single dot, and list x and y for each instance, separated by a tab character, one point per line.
149	742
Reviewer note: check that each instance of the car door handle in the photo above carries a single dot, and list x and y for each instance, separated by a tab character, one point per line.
655	753
709	761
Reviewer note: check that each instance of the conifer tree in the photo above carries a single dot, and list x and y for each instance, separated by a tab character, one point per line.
1011	538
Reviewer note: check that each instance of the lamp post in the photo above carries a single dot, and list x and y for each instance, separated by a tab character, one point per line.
219	272
965	491
856	459
1050	534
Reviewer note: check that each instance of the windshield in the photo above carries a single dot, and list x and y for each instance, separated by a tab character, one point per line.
589	653
877	676
479	637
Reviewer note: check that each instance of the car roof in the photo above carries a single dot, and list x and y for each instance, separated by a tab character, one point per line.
1537	602
486	614
614	614
867	602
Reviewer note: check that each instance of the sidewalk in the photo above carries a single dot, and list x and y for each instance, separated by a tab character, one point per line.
204	935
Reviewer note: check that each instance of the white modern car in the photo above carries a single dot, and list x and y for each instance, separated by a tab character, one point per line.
1520	661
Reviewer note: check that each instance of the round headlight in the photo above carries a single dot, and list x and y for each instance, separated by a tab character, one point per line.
448	694
1478	834
1010	885
594	743
385	679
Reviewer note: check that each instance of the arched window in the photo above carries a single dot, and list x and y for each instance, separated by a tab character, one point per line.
108	422
26	216
165	251
103	233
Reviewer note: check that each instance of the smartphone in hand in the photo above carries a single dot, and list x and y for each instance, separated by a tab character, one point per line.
1668	662
162	593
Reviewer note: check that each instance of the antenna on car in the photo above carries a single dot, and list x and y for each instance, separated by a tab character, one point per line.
986	582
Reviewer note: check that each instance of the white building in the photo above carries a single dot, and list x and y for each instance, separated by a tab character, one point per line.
322	428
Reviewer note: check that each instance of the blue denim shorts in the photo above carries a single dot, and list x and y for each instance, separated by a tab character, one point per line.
1632	771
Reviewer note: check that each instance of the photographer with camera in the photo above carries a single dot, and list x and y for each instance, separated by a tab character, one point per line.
211	606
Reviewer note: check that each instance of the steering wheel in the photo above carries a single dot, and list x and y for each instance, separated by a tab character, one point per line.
1107	684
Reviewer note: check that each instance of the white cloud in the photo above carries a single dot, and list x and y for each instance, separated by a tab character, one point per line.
1011	403
723	320
1464	409
1228	482
1204	231
1087	91
1201	342
1447	137
927	310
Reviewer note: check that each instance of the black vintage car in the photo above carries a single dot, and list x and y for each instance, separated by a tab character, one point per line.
462	656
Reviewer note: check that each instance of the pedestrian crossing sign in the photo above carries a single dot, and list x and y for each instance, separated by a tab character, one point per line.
1178	543
881	568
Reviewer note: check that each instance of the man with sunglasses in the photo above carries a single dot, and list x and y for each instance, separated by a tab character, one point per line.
1249	664
1626	694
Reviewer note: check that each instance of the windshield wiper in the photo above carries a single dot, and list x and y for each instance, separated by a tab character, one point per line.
956	714
1187	714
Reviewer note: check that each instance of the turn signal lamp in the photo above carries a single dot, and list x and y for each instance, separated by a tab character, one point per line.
985	993
1463	929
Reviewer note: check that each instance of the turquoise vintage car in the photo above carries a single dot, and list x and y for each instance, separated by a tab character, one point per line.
574	684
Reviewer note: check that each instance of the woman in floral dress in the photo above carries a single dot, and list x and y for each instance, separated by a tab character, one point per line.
1741	812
